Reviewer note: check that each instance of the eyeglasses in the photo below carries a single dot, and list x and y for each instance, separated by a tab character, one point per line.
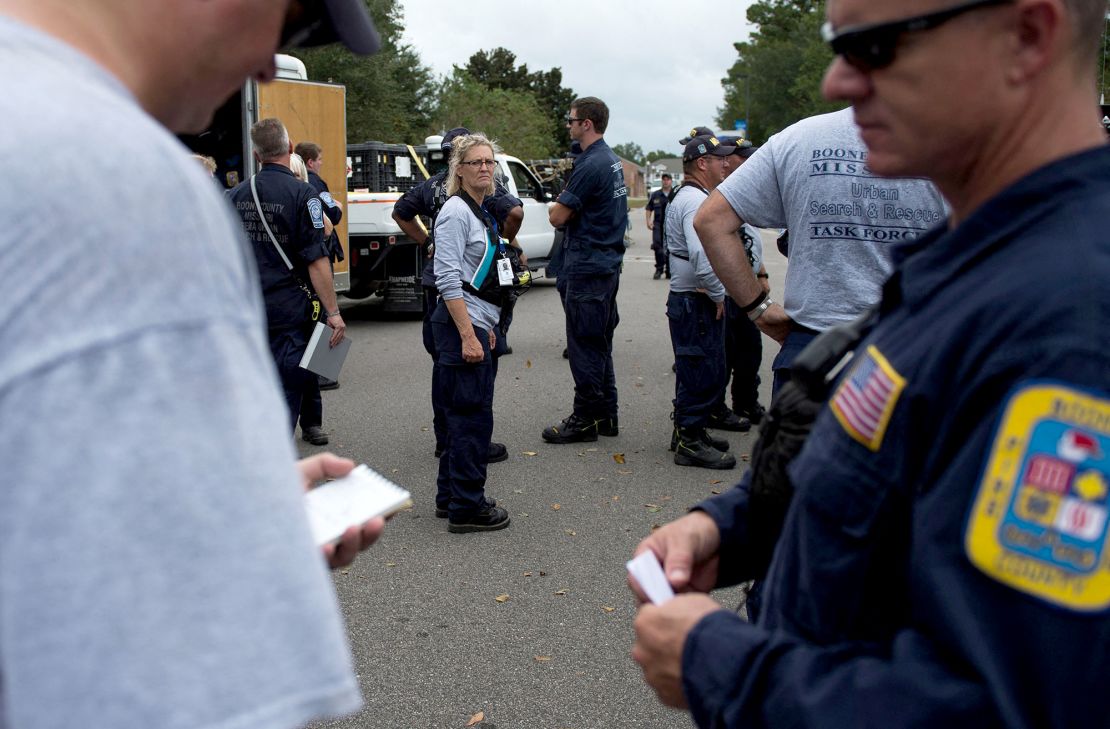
571	120
871	47
477	164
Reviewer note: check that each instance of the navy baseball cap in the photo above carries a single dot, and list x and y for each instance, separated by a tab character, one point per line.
451	136
320	22
704	144
696	132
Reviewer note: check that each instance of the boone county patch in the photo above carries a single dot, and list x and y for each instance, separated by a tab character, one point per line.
316	211
1039	519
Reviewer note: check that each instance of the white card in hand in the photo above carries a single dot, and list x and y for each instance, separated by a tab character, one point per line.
648	574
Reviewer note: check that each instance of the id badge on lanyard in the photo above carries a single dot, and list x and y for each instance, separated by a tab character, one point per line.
504	265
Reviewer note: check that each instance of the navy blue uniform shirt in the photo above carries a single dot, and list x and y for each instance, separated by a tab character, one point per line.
657	204
430	195
296	217
596	192
331	208
945	560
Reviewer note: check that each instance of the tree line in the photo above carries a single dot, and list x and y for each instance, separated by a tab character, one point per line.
394	97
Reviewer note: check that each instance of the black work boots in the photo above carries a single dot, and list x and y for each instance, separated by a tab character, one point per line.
695	447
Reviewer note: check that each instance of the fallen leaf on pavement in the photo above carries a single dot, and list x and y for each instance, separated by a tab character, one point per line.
560	593
624	472
527	574
617	498
477	718
542	659
390	564
527	364
571	533
543	574
529	453
501	598
653	508
714	482
608	609
714	491
745	457
618	457
556	507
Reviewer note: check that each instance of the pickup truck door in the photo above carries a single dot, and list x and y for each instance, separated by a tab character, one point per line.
536	234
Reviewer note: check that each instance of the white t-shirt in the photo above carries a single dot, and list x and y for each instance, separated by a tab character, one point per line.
812	178
156	567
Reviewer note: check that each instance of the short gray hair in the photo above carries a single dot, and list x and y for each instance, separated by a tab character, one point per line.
270	139
1088	19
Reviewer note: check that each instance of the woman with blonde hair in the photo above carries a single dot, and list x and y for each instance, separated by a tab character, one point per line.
463	329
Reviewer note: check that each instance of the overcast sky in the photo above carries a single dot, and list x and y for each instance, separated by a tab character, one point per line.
658	64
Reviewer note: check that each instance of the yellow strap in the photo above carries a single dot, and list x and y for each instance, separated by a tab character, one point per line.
416	159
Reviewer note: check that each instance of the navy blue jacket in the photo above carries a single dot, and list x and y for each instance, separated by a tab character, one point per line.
429	196
331	209
657	204
296	217
945	562
596	192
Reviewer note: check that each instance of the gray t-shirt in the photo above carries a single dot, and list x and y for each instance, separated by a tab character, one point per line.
461	249
690	269
156	567
812	178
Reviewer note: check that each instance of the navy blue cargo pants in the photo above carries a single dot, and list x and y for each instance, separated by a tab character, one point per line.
465	393
698	339
590	303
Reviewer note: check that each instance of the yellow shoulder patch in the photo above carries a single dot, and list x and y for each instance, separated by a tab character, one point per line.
1039	519
865	399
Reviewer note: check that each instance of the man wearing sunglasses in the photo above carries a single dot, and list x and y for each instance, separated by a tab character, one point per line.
156	566
594	209
945	561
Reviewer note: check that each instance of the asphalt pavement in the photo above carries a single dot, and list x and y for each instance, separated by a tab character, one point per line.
531	625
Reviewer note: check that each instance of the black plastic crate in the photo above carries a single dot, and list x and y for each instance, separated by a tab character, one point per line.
374	167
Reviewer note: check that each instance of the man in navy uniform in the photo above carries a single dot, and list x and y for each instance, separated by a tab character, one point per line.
946	557
295	215
426	199
695	312
312	406
594	209
654	210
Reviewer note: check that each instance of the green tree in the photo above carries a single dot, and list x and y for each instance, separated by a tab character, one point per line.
777	78
388	94
512	118
498	69
630	151
659	154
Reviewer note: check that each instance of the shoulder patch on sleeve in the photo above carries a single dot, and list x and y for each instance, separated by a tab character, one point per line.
1039	520
865	399
316	211
327	198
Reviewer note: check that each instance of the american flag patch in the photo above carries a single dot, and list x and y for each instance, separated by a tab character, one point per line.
866	398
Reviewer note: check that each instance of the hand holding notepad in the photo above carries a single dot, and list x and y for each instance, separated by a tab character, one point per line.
352	500
648	573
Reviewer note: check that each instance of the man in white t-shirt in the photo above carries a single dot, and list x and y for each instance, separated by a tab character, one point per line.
812	178
156	566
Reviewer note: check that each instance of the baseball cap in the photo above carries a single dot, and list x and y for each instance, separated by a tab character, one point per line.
704	144
320	22
451	136
696	132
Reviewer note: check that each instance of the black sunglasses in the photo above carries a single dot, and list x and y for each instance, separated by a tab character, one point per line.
570	120
871	47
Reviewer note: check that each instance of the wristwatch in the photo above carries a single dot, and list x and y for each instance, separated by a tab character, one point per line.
758	311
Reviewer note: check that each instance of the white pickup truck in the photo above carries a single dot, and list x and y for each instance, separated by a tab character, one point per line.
383	260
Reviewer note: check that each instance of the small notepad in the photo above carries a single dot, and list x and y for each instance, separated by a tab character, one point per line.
649	576
357	497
